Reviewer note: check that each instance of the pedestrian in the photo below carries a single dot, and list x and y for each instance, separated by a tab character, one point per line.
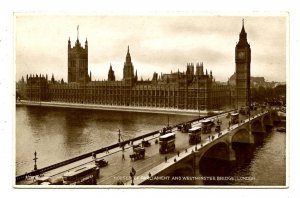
133	171
178	153
149	174
123	156
166	159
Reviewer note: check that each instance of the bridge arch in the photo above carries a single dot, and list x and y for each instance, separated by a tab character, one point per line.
274	114
241	136
257	126
219	150
267	120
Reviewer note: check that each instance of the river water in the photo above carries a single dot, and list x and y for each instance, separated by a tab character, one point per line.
57	134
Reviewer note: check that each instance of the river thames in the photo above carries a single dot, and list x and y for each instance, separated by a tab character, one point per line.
57	134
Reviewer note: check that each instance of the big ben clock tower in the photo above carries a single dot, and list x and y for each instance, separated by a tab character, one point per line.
242	70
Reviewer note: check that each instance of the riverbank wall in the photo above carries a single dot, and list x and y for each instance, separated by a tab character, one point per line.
118	108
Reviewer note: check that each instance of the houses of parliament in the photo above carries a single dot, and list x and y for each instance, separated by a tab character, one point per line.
193	89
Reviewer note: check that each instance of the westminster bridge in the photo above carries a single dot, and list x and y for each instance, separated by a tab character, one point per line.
184	161
186	164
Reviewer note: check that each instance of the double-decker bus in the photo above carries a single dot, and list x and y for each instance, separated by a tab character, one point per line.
167	143
195	135
166	130
85	175
206	125
234	118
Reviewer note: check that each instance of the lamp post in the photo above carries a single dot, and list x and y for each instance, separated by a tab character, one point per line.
132	174
34	159
168	121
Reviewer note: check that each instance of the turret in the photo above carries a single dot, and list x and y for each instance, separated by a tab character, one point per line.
69	44
52	79
86	44
201	69
154	78
136	76
111	74
128	70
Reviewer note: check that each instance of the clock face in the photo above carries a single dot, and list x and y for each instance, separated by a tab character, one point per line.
241	55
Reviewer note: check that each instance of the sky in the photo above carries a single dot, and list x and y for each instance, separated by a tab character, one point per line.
157	44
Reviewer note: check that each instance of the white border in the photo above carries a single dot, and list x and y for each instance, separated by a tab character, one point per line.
139	7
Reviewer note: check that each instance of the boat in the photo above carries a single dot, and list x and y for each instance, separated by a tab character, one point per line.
281	129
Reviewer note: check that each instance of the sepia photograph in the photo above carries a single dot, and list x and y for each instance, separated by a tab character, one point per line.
140	101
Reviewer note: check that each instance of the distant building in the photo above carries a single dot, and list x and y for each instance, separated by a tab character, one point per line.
256	82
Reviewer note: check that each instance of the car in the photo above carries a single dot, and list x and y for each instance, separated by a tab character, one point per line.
146	143
101	162
218	129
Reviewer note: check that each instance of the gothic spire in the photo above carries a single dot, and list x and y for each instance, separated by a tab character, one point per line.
77	32
128	57
243	37
243	32
69	42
